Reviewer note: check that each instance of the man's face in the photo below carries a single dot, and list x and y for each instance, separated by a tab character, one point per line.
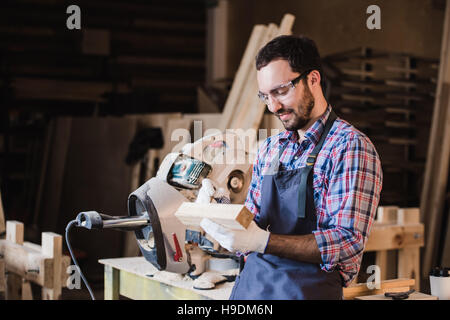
294	108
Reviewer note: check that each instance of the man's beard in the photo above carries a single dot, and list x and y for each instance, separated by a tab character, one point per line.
301	118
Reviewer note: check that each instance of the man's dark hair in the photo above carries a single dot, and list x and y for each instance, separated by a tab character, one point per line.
300	52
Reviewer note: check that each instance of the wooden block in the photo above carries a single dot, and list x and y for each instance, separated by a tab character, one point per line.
387	214
14	231
232	216
52	247
386	260
27	293
65	261
394	285
408	215
13	287
390	237
412	296
27	263
409	264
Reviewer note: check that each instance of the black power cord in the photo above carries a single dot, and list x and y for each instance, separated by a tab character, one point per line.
69	226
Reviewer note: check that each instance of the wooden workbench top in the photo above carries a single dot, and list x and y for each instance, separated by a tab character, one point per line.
139	266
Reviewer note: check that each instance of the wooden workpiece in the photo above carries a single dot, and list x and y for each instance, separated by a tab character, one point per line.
27	262
232	216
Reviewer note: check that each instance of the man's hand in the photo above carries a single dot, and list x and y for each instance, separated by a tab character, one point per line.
252	239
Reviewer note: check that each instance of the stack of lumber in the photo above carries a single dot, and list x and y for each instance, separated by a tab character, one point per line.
389	97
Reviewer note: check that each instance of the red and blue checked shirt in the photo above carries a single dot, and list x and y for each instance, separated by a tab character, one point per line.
347	183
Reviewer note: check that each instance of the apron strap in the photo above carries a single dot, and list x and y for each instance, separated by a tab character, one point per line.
310	161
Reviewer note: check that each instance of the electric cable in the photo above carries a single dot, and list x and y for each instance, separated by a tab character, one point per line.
68	227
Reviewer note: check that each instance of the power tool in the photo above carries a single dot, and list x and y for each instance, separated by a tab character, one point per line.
219	159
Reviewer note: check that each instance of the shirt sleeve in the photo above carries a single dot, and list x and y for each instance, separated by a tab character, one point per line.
351	201
253	200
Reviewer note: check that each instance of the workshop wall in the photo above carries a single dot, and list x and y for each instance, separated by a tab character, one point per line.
407	26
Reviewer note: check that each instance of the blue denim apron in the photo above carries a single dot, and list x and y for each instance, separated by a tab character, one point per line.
269	277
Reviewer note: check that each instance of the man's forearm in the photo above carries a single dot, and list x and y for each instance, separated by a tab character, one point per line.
296	247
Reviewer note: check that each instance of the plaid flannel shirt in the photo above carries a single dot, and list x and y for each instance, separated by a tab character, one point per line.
347	181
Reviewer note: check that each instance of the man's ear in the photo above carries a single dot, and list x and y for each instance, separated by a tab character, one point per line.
314	78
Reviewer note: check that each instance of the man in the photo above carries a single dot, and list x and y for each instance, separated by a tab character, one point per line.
314	191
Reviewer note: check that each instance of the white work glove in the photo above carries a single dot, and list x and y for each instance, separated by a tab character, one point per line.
253	239
208	191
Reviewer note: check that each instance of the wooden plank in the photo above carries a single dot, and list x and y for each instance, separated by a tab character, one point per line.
387	214
14	231
437	165
390	237
13	287
52	247
394	285
408	216
240	80
250	109
286	25
27	294
409	265
386	260
233	216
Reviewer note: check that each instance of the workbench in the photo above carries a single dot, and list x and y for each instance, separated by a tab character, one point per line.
137	279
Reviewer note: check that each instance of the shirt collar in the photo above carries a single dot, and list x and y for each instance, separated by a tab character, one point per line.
313	134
